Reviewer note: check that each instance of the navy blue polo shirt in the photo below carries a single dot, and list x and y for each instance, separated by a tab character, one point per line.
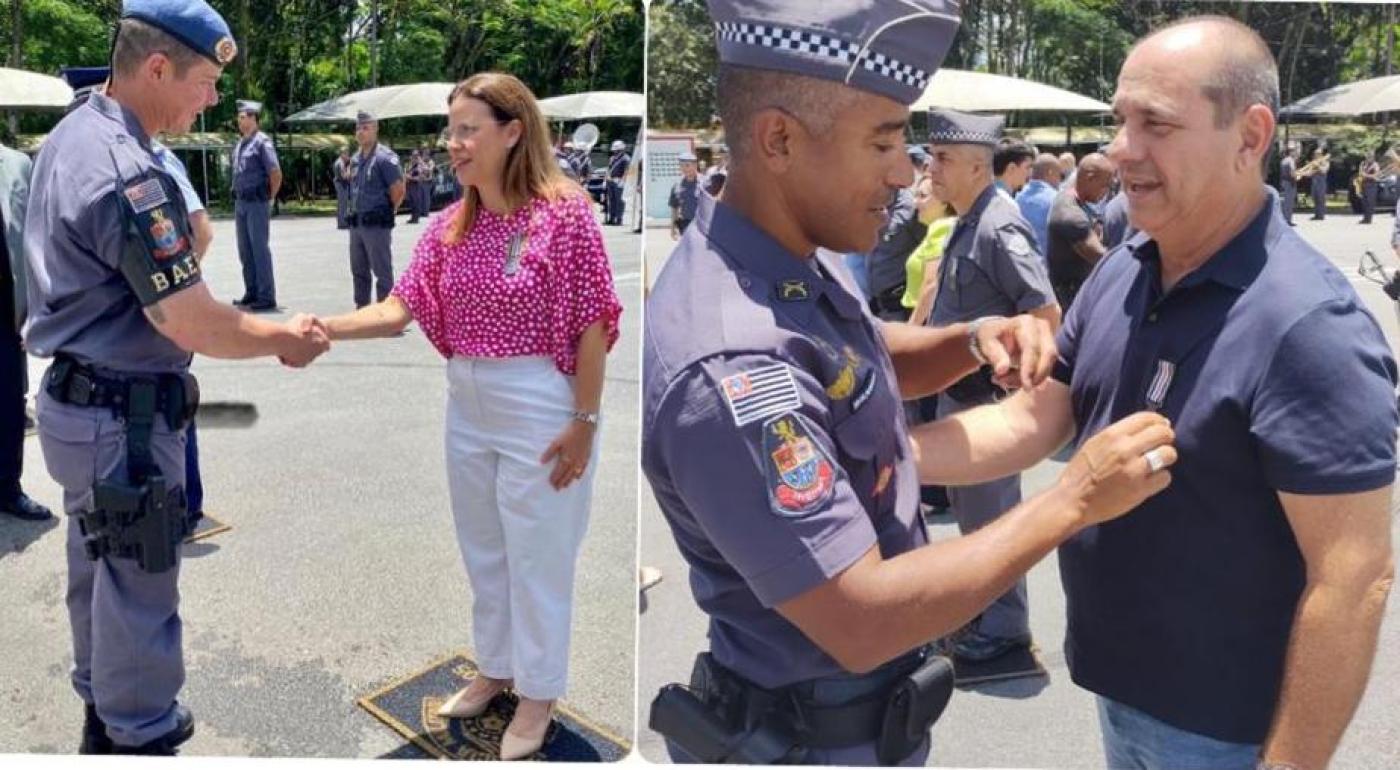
1276	379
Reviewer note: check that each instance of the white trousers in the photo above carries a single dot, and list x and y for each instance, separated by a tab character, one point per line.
519	536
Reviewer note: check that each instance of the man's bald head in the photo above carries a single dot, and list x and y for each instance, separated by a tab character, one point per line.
1240	69
1047	168
1094	178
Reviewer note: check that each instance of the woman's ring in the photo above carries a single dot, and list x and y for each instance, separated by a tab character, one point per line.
1154	461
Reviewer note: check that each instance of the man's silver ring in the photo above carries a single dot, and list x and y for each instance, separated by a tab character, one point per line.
1154	461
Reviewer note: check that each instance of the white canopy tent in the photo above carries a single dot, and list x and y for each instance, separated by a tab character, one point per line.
1359	98
402	101
595	104
20	89
983	92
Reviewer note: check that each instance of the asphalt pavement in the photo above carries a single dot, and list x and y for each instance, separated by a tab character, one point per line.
341	572
1031	723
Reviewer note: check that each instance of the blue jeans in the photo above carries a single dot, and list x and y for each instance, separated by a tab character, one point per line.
1132	739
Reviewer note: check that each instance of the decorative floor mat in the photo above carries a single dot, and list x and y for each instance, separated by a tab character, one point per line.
1020	663
208	526
409	707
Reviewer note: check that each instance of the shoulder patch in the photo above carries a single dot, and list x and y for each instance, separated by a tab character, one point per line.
146	195
758	393
800	476
1016	243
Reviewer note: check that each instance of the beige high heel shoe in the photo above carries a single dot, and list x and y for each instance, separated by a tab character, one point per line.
516	745
466	704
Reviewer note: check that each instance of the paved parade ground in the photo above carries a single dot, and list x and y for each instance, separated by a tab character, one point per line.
1031	723
341	571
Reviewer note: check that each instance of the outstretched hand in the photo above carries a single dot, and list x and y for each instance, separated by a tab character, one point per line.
1021	350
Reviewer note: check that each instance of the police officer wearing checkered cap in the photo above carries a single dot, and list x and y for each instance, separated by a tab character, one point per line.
773	434
377	188
990	266
617	174
685	194
118	301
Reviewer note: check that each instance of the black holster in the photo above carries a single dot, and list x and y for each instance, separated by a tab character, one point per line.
134	515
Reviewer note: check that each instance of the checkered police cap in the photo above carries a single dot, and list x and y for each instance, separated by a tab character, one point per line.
953	127
887	47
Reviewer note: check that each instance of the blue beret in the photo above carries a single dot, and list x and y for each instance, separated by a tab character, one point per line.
84	77
953	127
193	22
886	47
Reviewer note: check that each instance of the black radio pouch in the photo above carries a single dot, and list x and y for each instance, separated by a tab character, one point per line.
914	705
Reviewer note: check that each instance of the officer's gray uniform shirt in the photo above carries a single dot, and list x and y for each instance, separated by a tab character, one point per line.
254	160
75	234
773	436
898	239
990	265
369	187
685	196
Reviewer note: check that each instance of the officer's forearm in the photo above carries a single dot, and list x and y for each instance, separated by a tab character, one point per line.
592	362
195	321
203	233
879	608
927	360
996	440
382	319
274	183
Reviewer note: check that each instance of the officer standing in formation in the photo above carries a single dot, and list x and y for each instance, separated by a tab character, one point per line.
14	364
773	432
617	174
1320	165
989	267
341	177
685	195
376	190
257	176
117	299
420	183
1288	182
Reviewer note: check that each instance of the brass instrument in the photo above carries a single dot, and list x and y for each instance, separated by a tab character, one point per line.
1312	166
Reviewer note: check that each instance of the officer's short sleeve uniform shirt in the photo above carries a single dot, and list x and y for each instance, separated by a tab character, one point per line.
773	435
1276	379
75	234
373	177
685	196
990	265
254	160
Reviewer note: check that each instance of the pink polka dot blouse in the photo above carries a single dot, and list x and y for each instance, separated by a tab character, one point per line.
526	284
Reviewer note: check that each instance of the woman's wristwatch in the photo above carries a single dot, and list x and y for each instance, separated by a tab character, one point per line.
589	417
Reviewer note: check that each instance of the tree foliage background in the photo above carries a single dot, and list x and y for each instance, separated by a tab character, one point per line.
1075	44
294	53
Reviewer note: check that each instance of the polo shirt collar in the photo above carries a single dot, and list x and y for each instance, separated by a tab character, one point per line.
754	251
1237	264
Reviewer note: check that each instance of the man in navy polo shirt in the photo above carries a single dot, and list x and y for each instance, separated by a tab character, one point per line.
1232	618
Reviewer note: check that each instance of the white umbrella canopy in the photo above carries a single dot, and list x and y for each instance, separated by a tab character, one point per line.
21	89
595	104
983	92
402	101
1359	98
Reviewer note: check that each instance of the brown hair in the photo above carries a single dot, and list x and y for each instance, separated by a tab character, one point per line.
531	171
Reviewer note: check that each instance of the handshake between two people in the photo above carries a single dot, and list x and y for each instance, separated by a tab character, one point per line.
309	339
309	336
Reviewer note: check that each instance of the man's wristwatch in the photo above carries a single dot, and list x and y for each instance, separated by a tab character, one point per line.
973	345
589	417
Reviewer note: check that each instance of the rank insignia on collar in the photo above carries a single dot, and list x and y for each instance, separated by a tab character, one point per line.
793	290
800	476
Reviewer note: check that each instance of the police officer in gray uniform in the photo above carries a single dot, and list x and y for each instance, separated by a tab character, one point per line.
685	194
117	300
376	190
617	174
773	435
340	178
990	267
1287	182
257	176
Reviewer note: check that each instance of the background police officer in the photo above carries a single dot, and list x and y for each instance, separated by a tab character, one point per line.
617	174
117	299
376	190
990	267
257	176
773	435
685	195
1287	182
341	177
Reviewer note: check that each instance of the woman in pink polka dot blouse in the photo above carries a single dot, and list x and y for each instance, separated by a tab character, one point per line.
513	288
